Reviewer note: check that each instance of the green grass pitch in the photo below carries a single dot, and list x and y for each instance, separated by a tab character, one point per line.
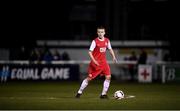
37	95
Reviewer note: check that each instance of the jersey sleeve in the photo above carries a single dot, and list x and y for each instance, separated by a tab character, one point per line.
93	45
109	45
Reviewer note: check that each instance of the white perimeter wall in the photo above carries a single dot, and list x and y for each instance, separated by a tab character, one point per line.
82	54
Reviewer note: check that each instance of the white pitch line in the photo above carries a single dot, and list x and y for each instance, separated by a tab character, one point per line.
28	97
130	96
126	97
53	98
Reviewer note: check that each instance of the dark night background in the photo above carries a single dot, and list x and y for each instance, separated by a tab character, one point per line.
25	22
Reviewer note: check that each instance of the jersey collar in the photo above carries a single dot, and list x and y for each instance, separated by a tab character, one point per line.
101	39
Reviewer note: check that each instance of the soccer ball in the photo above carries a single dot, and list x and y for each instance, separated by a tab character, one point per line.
119	94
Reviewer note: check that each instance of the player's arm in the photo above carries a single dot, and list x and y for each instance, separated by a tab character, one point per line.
112	52
113	55
93	45
92	58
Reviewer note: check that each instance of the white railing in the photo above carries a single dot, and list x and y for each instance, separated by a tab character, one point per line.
62	62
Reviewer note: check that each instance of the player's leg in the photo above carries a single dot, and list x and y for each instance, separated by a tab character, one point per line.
84	84
93	72
107	81
106	85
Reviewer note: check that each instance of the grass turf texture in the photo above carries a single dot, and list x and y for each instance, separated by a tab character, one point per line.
61	95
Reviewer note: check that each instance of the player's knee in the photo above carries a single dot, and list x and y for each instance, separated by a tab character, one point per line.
89	79
108	77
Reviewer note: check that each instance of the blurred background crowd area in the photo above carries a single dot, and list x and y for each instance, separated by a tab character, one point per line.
39	54
76	20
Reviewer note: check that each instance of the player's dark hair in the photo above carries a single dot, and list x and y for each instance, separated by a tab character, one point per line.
101	27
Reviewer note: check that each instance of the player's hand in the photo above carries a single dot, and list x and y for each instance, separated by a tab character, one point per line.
95	62
115	60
